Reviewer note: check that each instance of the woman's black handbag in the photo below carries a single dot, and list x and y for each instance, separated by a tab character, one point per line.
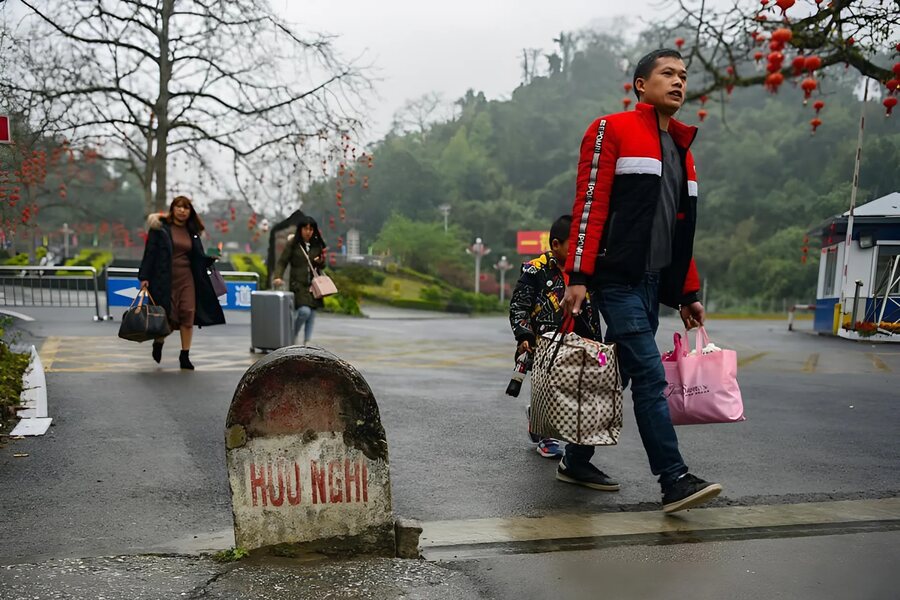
142	322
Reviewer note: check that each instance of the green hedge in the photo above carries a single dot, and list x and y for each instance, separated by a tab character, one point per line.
361	275
19	260
12	367
253	263
87	258
342	305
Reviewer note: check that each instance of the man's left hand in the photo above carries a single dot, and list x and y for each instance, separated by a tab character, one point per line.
693	315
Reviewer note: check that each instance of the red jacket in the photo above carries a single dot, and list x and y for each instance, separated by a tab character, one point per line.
617	190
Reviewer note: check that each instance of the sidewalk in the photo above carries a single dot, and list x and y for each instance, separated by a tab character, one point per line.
859	566
175	576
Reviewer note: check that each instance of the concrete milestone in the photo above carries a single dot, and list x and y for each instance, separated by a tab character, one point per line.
307	456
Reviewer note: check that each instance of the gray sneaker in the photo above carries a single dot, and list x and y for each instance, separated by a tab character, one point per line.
586	475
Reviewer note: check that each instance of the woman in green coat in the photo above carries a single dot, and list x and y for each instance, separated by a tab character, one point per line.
307	246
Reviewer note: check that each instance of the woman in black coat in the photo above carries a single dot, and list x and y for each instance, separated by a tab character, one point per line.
175	270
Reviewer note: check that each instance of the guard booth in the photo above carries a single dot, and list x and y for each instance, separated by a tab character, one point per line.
864	304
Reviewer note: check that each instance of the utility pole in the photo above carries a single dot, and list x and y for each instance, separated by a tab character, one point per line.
479	250
503	266
848	239
445	210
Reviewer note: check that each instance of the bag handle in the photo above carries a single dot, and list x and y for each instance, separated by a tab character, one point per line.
139	298
567	325
701	341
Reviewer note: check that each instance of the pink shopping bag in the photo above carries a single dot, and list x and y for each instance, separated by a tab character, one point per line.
702	388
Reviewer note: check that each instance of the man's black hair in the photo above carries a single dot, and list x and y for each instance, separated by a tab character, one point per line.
560	229
647	63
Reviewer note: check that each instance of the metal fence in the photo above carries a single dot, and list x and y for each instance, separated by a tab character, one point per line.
70	287
58	287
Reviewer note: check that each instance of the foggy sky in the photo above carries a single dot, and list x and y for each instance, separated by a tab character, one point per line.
421	46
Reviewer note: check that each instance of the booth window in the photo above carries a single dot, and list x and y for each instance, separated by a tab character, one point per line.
886	257
830	271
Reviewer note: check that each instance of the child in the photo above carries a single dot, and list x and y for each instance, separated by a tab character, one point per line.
535	309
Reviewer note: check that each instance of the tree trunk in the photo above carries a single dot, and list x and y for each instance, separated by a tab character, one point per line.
149	203
162	106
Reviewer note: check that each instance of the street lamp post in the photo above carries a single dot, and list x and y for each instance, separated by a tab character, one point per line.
66	231
445	210
479	251
503	266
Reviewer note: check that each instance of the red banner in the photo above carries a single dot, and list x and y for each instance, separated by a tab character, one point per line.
532	242
5	130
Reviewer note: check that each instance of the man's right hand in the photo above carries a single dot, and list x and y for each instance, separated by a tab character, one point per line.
572	301
525	346
145	284
277	282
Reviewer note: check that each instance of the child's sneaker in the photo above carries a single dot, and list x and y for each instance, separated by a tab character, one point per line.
550	448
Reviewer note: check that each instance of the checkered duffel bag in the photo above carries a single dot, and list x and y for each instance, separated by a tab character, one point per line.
576	390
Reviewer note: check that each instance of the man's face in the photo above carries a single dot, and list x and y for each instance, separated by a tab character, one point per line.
666	86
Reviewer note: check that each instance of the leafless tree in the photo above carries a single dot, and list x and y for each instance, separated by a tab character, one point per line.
221	91
732	45
418	114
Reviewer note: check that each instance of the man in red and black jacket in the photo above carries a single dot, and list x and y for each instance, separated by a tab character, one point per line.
632	244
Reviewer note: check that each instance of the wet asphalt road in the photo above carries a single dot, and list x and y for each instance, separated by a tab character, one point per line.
135	460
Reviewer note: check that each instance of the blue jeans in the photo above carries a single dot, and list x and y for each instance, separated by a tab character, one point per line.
304	318
632	318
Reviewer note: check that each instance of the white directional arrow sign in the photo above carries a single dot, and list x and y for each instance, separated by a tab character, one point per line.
130	293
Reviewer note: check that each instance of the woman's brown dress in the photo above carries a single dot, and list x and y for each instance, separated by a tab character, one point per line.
184	301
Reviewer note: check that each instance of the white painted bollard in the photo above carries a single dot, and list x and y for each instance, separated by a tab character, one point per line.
307	456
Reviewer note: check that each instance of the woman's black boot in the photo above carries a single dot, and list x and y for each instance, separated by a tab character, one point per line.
157	351
185	360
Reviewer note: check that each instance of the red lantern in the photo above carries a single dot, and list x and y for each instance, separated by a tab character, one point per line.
730	70
729	88
758	56
815	124
774	81
764	2
626	102
784	5
889	103
850	41
340	242
761	18
892	85
798	65
627	86
331	222
679	42
818	105
812	63
703	99
776	46
896	69
365	182
808	86
782	34
702	114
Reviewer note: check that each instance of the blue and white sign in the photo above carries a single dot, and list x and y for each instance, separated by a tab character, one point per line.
121	291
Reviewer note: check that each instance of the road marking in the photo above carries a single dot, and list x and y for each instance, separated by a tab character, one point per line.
16	315
878	363
743	362
811	363
48	352
474	537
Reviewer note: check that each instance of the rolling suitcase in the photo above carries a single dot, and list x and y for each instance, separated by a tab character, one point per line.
271	320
